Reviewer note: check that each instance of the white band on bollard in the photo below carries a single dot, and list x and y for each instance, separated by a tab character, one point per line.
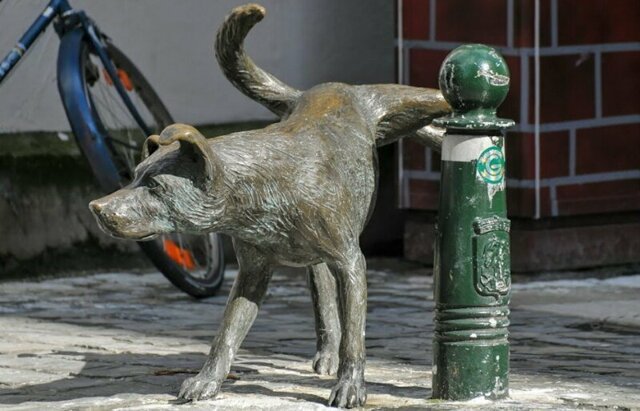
464	148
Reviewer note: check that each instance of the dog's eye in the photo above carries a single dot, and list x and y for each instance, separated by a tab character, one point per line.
153	184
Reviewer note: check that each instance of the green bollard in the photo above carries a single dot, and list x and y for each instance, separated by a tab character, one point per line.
472	265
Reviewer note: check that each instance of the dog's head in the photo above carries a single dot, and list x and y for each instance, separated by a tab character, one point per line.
172	186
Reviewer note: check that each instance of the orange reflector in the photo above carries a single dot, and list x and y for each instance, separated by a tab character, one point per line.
124	79
178	254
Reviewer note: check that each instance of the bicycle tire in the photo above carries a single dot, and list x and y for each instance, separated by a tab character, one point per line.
107	163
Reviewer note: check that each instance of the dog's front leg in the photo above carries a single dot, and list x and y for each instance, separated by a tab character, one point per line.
350	391
242	308
324	295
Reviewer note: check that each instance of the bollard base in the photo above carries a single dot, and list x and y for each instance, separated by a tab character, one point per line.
467	370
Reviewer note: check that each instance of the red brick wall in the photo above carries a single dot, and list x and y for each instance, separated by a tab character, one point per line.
589	98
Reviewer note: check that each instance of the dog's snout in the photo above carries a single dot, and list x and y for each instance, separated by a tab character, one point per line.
96	206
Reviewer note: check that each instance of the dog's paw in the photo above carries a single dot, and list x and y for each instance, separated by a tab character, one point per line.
326	362
348	393
199	388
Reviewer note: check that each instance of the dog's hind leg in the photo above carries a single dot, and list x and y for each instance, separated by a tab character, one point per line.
322	285
399	111
242	308
350	272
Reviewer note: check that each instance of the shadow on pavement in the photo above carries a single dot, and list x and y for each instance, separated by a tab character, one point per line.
108	375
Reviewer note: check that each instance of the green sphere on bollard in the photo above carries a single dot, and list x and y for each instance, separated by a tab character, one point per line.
474	80
472	274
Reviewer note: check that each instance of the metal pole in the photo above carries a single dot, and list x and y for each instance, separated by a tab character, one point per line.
472	263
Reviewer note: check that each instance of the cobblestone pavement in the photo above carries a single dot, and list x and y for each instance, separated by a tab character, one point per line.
126	341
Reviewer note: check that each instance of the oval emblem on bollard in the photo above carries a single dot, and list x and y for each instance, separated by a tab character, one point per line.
490	166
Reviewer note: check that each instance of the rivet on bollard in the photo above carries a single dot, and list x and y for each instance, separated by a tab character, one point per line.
472	264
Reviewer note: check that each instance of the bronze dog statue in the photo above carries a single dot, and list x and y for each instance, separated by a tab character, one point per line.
296	193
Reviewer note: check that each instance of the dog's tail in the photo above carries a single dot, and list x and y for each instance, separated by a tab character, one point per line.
242	71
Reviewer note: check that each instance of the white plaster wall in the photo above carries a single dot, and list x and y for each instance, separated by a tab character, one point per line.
303	42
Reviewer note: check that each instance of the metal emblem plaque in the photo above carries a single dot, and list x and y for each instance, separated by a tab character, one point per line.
491	256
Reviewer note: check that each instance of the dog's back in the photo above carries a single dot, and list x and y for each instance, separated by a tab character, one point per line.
294	180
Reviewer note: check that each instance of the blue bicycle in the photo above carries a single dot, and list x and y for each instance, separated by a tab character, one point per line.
112	109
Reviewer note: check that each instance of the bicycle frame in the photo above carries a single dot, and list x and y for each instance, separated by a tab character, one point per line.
66	19
54	9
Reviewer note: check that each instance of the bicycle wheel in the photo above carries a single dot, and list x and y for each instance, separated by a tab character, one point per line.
193	263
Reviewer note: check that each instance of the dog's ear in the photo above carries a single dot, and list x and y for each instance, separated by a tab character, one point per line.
193	145
151	144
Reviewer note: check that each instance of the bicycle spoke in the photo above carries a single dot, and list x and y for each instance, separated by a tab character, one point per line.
117	117
123	143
